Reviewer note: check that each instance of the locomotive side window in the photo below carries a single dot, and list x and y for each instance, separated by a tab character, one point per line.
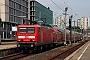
31	30
22	30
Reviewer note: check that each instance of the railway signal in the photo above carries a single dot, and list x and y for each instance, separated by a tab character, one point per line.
70	22
70	27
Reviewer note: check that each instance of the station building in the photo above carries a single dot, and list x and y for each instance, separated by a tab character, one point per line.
12	13
10	10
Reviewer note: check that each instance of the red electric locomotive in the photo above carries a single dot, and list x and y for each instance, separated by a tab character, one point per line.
33	36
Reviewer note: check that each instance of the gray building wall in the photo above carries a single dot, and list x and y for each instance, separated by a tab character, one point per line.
11	10
12	13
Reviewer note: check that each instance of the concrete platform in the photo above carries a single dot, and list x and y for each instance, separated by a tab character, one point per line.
8	40
83	53
7	45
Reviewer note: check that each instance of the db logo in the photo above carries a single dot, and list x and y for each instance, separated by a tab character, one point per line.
26	36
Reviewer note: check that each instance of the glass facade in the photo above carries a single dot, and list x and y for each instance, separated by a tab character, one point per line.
39	12
16	8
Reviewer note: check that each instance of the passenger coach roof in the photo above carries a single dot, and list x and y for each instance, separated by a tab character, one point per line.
62	30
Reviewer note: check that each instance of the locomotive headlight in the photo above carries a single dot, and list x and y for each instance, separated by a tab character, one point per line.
31	36
21	36
18	45
32	45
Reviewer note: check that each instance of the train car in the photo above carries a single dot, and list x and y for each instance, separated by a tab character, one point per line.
77	36
33	36
73	36
58	35
62	33
80	36
67	35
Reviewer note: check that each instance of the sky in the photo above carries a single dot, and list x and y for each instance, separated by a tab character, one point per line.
77	8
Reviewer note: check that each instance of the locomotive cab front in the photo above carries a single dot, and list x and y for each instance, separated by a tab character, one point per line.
26	36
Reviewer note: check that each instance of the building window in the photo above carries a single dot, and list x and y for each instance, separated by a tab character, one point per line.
19	6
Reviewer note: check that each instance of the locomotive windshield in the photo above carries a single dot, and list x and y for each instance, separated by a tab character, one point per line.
29	30
22	30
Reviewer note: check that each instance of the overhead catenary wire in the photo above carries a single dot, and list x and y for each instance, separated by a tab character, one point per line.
57	5
62	9
71	9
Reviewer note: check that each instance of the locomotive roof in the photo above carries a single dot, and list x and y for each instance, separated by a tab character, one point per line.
28	25
47	25
35	25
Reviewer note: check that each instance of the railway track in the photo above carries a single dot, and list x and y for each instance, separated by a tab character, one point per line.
59	53
63	53
66	53
15	56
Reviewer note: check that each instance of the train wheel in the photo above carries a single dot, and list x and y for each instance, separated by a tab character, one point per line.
31	51
23	51
41	47
51	45
38	49
35	49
